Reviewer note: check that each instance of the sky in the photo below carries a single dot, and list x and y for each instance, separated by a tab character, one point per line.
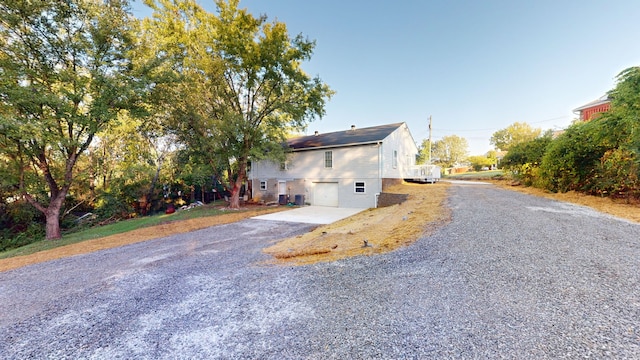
473	66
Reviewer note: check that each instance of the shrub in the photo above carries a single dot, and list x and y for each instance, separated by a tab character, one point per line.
571	159
110	206
530	152
10	240
528	174
617	175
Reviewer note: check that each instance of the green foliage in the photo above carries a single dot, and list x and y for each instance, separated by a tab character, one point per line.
111	229
527	174
570	160
242	85
33	233
65	74
20	224
478	162
527	152
514	134
617	175
600	156
450	150
424	153
110	206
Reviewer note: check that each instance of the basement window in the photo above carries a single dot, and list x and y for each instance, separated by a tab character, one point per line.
263	185
359	187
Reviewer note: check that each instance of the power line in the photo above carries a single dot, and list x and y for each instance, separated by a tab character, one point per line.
494	129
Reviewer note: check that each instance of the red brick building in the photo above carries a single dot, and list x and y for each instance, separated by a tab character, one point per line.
593	109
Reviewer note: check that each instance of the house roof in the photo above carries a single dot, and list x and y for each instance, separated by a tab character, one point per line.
353	136
603	100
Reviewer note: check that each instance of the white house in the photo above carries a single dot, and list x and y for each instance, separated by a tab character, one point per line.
347	168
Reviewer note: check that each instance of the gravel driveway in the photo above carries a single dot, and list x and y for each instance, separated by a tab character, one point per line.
512	276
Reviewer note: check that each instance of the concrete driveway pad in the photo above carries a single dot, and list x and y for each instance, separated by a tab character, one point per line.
311	214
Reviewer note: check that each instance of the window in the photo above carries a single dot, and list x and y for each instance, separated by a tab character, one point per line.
284	166
328	159
395	159
359	187
263	185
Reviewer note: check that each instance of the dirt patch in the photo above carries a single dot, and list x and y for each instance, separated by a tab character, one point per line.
131	237
372	231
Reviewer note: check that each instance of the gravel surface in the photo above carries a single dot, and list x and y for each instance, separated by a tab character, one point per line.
512	276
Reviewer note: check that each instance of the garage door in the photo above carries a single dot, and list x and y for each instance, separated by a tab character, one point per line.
325	194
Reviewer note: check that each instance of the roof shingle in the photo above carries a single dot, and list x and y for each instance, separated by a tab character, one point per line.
343	138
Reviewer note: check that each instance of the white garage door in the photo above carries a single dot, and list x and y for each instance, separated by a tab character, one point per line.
325	194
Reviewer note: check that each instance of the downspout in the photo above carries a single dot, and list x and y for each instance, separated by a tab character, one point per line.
379	172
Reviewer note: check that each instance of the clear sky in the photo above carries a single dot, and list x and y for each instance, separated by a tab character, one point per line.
475	66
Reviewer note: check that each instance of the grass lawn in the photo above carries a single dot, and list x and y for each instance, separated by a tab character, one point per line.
385	228
474	175
120	227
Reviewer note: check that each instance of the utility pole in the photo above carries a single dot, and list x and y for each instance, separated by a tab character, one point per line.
429	160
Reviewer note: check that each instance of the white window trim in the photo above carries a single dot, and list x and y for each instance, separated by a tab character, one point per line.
325	159
355	187
395	159
263	188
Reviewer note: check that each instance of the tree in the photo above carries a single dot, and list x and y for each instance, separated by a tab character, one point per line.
623	119
246	85
450	150
514	134
569	160
528	152
478	162
126	160
64	75
424	152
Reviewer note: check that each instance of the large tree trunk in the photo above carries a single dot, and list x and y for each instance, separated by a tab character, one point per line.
58	194
52	214
53	223
234	202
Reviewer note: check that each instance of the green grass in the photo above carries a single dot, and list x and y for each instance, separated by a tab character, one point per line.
475	175
112	229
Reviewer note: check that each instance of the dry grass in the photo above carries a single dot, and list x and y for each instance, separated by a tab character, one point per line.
606	205
384	229
131	237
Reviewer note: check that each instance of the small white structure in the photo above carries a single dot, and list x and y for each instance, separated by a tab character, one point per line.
347	168
424	173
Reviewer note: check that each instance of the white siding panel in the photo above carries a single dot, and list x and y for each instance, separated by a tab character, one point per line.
350	199
350	164
401	141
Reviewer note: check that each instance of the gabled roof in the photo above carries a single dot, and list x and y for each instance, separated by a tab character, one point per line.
349	137
603	100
